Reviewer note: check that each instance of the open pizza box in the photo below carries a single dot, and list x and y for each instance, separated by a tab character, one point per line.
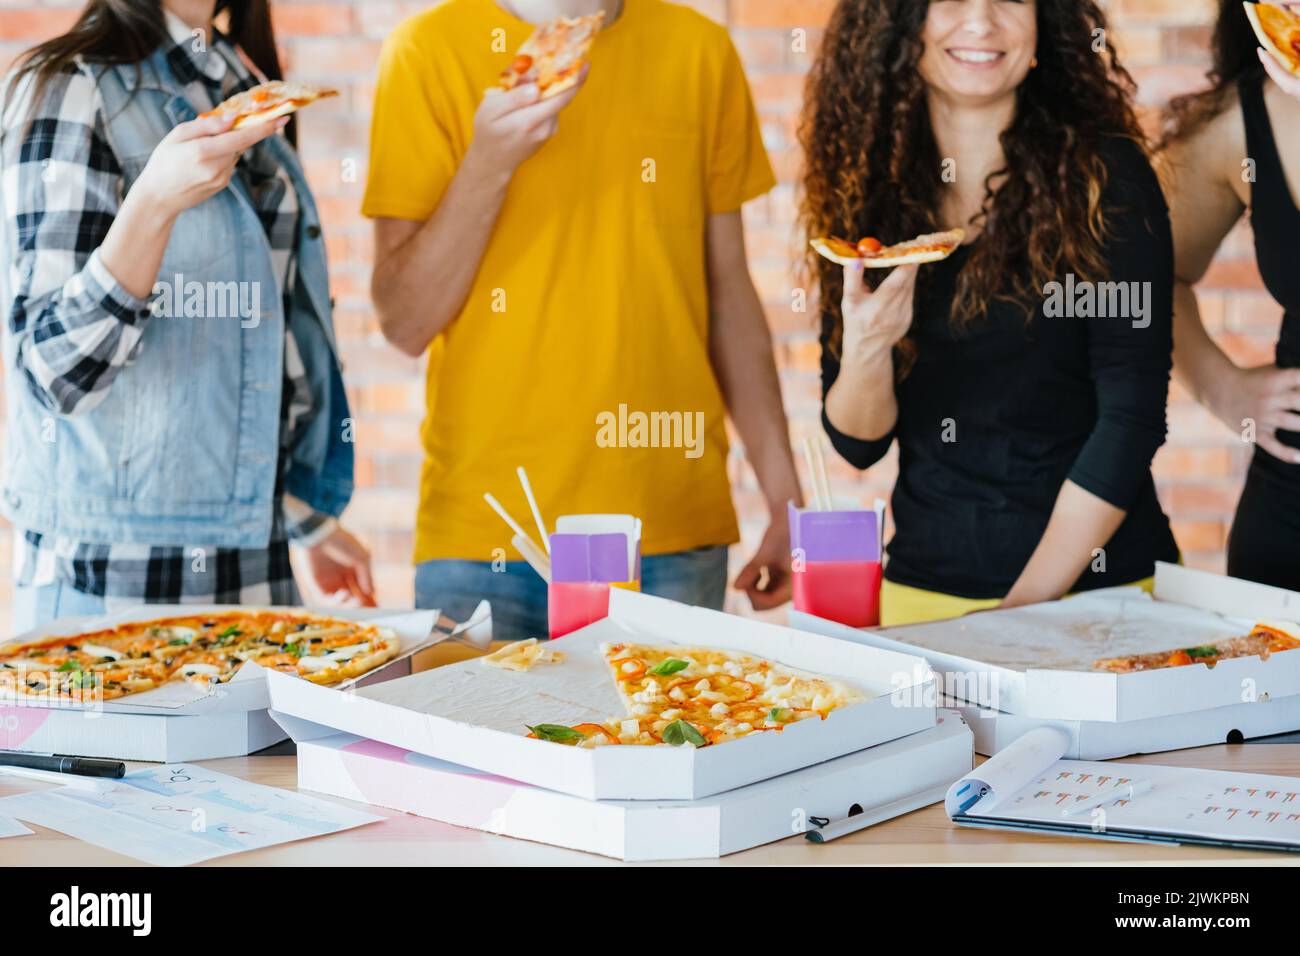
1104	740
1036	661
475	715
180	721
883	782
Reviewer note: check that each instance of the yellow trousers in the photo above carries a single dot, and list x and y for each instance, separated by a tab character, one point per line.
900	604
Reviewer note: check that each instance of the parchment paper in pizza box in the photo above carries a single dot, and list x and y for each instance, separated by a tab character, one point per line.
1037	660
474	715
247	689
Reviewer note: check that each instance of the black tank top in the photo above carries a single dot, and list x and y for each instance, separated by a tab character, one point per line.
1275	218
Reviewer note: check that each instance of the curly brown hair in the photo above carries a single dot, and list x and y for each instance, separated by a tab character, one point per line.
872	166
1232	48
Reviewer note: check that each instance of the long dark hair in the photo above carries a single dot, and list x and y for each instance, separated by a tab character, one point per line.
128	31
872	166
1233	49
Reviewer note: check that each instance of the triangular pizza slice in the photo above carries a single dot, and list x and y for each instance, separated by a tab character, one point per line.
678	694
1278	30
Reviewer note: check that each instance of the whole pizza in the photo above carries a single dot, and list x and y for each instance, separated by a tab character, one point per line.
203	649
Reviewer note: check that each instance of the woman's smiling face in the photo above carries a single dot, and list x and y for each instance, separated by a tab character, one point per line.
978	50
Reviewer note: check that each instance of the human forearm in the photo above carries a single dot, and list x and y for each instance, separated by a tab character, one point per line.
134	245
861	403
1200	365
443	254
741	350
1077	532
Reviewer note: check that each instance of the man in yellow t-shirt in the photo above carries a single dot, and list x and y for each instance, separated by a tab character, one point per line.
576	269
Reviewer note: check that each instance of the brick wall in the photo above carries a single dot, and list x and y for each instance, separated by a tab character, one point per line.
1163	42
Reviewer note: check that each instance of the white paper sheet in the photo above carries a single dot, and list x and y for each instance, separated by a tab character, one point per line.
177	814
1072	634
1026	786
9	827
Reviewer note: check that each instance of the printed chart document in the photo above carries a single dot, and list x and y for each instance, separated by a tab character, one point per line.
1027	786
177	814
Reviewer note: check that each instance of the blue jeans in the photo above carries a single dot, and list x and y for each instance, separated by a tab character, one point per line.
34	607
518	595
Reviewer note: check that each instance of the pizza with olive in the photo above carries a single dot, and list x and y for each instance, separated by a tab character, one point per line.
700	696
203	649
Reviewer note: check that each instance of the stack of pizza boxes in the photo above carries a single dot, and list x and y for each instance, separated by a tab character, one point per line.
178	721
1010	671
475	745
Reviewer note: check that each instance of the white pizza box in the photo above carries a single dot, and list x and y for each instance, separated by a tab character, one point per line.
472	714
247	689
887	780
190	724
138	736
989	658
1104	740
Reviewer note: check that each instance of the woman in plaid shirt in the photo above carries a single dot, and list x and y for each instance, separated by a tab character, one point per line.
176	416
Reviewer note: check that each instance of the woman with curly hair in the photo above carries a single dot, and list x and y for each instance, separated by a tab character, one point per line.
1231	148
1025	377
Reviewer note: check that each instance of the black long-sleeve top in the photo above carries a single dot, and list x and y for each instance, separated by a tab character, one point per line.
994	419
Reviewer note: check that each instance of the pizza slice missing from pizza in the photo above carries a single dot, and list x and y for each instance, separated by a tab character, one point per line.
871	254
552	57
1278	30
269	101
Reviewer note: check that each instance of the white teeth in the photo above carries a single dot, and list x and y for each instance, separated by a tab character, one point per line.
975	56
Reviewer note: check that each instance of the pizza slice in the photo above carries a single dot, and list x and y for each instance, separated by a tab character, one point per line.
1264	639
553	55
871	254
1278	30
269	101
699	695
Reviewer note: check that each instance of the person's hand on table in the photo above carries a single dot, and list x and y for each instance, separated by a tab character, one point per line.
339	567
772	556
1289	83
511	125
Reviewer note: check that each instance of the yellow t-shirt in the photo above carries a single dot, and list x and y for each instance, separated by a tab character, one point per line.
583	343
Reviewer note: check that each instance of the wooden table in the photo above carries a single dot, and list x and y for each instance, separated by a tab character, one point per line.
922	837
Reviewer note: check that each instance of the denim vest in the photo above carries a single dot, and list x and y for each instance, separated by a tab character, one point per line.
185	447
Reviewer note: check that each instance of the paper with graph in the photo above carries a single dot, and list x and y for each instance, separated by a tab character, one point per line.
1028	786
